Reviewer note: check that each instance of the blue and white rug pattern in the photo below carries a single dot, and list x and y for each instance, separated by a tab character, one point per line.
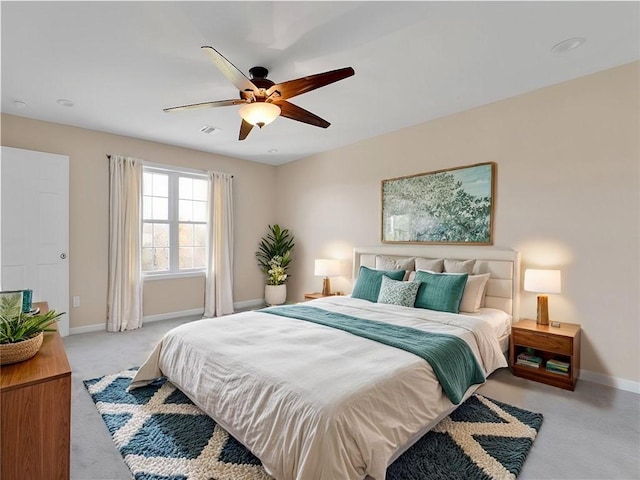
162	435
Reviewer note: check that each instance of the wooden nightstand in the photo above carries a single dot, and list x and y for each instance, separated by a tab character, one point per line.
559	343
313	296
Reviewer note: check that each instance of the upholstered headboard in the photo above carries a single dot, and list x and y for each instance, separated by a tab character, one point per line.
504	265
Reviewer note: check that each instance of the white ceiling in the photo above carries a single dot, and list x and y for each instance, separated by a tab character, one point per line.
121	63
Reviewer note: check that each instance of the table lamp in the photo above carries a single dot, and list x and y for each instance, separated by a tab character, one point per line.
326	268
542	281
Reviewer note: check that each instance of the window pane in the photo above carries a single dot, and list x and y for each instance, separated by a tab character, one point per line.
147	259
185	258
161	235
146	208
185	211
200	188
185	234
185	188
199	257
200	235
199	211
160	185
147	235
161	259
160	208
147	186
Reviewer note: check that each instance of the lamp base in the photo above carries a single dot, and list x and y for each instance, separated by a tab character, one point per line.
543	310
326	287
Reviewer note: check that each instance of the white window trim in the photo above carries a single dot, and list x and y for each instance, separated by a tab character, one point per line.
174	271
152	276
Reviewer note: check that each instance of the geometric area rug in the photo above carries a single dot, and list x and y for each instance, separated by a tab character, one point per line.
162	435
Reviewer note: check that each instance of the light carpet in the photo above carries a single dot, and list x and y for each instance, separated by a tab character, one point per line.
162	435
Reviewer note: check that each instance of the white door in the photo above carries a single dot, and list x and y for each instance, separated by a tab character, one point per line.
34	232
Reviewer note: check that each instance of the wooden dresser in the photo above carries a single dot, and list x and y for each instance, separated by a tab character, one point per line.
35	414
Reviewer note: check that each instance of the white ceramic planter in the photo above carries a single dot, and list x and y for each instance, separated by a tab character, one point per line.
275	294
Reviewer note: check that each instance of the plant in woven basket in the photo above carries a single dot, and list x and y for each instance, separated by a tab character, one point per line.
16	326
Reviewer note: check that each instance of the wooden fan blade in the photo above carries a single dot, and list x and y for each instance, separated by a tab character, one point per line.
305	84
219	103
230	71
245	128
294	112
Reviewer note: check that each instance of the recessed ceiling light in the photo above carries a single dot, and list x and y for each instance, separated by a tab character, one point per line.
273	150
19	104
64	102
209	129
568	44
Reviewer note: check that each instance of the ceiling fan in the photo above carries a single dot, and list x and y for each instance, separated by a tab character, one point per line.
262	100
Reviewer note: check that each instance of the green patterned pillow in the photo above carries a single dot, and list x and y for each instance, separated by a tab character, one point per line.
440	291
368	283
394	292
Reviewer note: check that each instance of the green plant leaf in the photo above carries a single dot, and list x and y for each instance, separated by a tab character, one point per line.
16	328
277	242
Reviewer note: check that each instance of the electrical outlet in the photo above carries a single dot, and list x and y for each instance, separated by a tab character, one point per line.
76	301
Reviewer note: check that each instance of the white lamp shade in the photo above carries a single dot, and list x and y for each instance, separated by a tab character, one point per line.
259	113
542	281
327	268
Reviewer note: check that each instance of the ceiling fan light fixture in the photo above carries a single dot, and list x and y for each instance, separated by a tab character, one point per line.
259	113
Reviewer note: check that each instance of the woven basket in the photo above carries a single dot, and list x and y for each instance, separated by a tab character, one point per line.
20	351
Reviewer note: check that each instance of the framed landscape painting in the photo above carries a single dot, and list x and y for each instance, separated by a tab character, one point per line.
453	206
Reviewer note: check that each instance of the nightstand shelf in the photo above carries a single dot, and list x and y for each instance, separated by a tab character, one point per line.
549	343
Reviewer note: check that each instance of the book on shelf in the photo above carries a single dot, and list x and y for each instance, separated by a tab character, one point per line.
558	364
559	372
528	360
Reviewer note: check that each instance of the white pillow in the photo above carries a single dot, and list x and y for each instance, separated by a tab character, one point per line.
430	264
458	266
473	291
394	263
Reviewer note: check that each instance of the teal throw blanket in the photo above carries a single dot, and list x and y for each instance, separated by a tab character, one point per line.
450	357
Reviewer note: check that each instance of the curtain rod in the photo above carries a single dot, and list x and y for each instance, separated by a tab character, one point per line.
158	164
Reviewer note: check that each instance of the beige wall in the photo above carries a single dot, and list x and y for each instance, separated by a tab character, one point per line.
254	208
567	197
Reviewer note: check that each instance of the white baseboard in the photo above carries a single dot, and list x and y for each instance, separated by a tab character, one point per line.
248	304
98	327
170	315
615	382
101	327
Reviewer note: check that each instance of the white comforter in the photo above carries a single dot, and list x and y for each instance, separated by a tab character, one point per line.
313	402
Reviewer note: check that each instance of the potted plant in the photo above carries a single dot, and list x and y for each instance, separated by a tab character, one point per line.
21	333
274	257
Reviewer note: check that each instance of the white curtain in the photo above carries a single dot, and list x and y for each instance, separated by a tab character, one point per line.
218	298
124	302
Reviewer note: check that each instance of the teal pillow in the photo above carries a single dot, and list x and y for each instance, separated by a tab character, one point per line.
440	291
368	283
394	292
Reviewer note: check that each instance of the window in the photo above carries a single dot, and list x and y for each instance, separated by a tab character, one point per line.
174	221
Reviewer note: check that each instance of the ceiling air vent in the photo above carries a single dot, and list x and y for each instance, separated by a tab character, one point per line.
209	130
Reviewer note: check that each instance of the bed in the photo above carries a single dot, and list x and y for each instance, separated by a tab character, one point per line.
315	401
